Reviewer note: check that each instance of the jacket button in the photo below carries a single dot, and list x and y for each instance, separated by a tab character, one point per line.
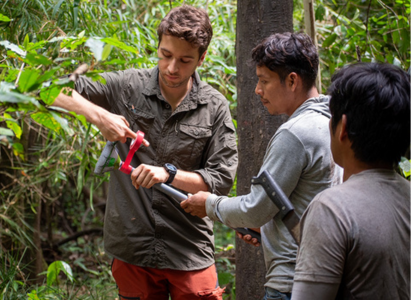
158	235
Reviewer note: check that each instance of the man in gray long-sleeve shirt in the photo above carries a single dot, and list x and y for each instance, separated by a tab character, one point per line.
298	156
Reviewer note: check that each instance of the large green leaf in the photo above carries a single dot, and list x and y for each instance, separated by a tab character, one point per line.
13	97
96	46
5	131
63	122
48	95
329	40
28	80
115	42
54	270
46	120
13	47
37	59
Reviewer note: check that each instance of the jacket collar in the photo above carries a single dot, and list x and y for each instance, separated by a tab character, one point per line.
190	102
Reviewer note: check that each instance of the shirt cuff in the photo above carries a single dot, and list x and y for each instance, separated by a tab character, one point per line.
211	207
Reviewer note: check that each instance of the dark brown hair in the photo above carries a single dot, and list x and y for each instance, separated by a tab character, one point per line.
188	23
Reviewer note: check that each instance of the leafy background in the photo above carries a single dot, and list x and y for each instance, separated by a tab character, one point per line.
52	205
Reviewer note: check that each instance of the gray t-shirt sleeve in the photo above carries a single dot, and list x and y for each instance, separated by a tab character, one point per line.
285	160
322	251
314	291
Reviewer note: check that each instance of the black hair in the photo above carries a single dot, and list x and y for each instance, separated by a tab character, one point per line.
375	98
287	52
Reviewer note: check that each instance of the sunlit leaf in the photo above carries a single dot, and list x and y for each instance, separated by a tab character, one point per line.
96	46
46	120
63	122
6	86
106	51
18	150
4	18
37	59
115	42
50	94
405	166
13	47
13	125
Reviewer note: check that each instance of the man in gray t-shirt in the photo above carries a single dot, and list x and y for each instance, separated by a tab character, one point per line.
298	156
356	236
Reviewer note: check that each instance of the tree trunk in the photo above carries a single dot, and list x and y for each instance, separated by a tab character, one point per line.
256	19
309	23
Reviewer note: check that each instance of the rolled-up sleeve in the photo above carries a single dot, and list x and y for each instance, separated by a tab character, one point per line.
101	92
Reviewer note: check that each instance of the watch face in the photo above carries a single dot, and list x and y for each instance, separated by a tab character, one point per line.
171	167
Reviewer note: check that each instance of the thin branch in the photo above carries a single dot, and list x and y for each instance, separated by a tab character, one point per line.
358	53
366	22
79	234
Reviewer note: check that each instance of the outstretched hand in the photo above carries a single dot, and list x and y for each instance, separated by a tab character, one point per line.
195	204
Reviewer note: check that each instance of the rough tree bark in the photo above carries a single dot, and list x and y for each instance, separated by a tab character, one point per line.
256	19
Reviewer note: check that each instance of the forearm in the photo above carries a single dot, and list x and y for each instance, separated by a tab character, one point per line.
80	106
113	127
189	181
252	210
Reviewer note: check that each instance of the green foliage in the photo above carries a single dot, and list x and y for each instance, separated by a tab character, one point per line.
55	268
47	154
369	31
10	281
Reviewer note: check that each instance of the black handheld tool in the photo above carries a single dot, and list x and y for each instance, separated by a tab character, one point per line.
245	231
289	217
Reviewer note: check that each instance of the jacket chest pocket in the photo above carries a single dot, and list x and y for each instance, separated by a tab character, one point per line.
140	120
191	143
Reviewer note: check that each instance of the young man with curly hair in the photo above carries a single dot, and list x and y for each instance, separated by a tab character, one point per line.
158	249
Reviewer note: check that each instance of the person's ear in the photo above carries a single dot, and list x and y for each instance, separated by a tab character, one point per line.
292	81
200	61
343	129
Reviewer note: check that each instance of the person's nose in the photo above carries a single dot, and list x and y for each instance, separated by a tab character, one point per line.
173	66
258	90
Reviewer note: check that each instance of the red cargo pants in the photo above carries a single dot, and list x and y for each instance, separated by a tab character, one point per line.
140	283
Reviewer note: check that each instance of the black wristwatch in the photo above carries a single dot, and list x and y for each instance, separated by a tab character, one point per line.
172	171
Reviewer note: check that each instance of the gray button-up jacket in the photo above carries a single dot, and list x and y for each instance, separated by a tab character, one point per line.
145	227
